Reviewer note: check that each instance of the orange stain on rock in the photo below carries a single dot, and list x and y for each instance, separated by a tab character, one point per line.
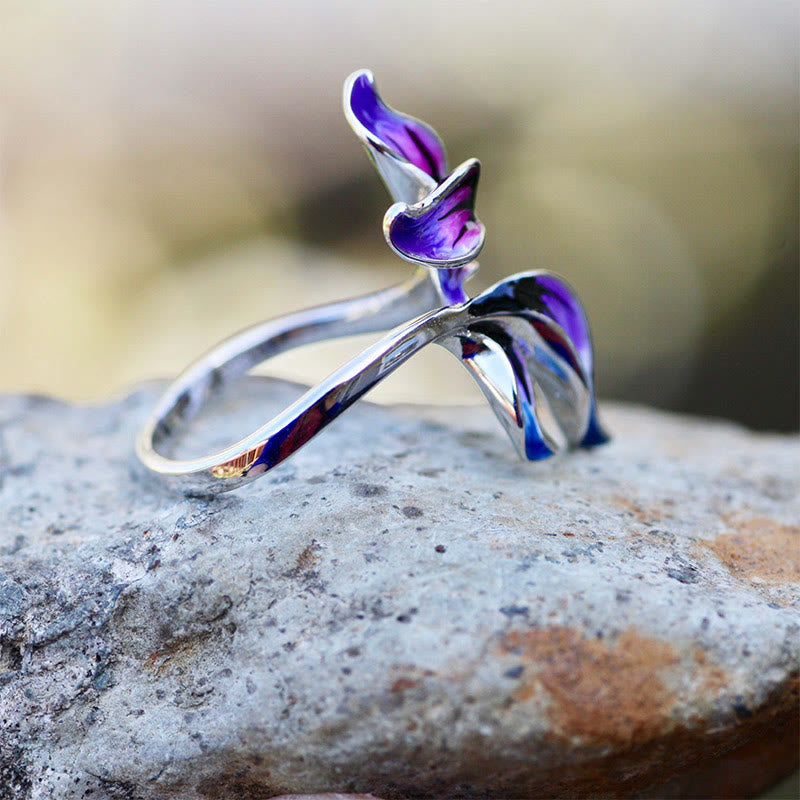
713	678
648	513
601	692
636	509
401	684
760	548
307	558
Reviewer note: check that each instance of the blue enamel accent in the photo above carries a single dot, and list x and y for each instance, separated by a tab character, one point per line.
535	447
595	433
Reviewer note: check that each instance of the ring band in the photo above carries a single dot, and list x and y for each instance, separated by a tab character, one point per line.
524	340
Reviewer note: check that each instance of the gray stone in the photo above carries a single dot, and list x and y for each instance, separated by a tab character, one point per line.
402	609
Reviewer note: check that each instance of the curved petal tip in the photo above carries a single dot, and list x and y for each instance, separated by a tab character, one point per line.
441	230
380	126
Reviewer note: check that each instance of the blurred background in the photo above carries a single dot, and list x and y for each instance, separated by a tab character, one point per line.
172	171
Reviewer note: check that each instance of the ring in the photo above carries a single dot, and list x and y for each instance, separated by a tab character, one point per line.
525	340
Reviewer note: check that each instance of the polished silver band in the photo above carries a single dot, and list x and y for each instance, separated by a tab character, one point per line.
214	372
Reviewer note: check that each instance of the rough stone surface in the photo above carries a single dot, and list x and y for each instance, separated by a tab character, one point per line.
402	609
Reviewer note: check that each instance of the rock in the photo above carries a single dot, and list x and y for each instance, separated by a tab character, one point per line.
327	796
402	609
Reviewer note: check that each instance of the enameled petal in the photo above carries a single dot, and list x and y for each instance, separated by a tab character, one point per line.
406	136
441	230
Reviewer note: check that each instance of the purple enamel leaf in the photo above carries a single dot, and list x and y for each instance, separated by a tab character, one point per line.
565	309
390	130
547	297
547	294
563	306
441	230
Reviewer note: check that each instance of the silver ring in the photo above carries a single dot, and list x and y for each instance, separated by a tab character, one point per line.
525	340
